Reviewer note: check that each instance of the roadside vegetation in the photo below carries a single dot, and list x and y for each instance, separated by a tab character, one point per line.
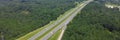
19	17
56	35
95	22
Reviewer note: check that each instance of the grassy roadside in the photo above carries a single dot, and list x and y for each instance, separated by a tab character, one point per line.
56	35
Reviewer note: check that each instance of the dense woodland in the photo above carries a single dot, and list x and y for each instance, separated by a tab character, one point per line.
95	22
19	17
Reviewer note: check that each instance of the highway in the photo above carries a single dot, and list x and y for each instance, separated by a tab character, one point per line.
59	23
48	28
65	22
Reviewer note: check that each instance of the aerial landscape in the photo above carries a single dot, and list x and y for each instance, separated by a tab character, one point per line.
59	19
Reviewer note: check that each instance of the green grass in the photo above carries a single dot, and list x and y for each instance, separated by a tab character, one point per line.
56	35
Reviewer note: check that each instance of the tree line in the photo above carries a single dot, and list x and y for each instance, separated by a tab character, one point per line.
95	22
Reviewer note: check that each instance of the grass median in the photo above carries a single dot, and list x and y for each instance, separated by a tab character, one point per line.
56	35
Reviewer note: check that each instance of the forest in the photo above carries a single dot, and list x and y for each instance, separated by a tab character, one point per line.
94	22
19	17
